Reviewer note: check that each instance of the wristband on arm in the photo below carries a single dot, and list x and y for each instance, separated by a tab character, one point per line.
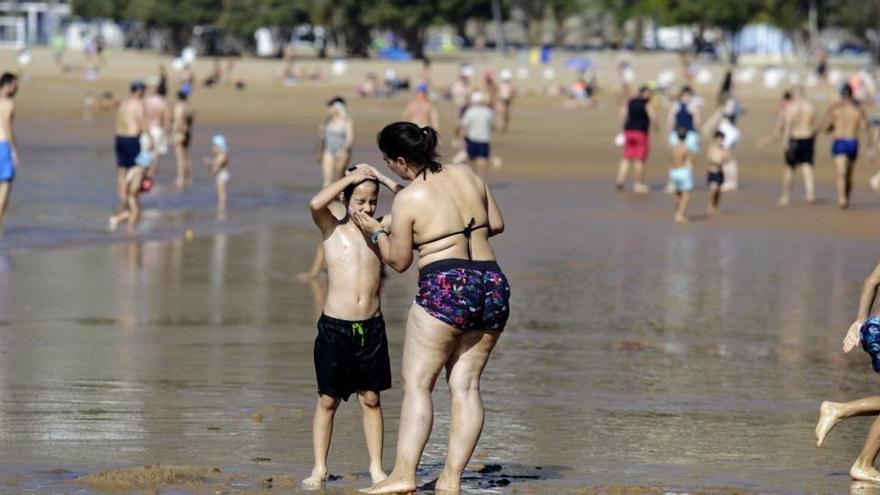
374	237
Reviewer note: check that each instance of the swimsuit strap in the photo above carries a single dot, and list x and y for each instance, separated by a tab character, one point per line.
466	232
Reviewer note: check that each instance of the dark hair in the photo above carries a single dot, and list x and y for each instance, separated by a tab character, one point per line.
336	99
686	90
682	133
137	86
845	90
719	134
7	78
183	95
417	145
786	96
349	190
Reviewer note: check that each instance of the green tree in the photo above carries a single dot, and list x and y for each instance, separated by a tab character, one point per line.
178	16
406	18
100	9
243	17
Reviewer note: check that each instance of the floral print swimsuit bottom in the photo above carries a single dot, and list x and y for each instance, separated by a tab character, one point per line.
467	295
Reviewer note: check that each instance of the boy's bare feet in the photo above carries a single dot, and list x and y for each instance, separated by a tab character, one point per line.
317	479
681	219
829	416
784	201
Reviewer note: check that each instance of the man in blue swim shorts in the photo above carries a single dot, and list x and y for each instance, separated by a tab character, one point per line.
8	146
845	121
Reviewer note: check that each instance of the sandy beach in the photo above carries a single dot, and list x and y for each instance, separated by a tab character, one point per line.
641	356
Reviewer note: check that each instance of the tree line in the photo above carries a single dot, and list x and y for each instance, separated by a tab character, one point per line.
351	22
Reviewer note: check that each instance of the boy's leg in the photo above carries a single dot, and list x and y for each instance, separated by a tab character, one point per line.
121	188
180	157
5	189
322	430
371	408
714	198
681	212
841	164
221	195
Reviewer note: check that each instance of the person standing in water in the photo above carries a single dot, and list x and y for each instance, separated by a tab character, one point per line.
685	114
158	116
351	349
336	138
420	111
130	124
476	128
845	120
219	163
639	119
865	329
681	176
717	154
448	214
181	132
8	145
797	127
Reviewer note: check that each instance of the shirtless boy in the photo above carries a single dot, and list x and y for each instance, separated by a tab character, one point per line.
130	124
681	176
865	328
8	146
717	154
420	111
351	349
845	121
158	117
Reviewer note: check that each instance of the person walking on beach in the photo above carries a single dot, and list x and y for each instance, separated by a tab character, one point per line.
420	111
797	127
336	138
158	116
717	155
506	95
476	128
724	120
639	119
865	329
845	120
351	349
8	145
130	124
448	214
181	133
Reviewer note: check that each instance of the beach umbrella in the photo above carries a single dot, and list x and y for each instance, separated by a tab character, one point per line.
394	54
580	64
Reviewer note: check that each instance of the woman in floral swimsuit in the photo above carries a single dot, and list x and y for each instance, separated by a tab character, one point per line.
448	213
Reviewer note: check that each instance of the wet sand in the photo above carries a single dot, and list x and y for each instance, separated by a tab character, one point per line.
641	356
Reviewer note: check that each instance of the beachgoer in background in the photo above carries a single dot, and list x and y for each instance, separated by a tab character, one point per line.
351	349
724	120
181	133
717	155
874	152
130	124
448	213
685	114
9	157
639	120
219	163
681	176
158	117
845	120
336	138
137	181
506	95
822	65
797	127
420	111
865	329
476	128
460	91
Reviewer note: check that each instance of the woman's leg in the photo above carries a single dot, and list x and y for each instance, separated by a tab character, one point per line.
327	164
463	371
426	348
340	163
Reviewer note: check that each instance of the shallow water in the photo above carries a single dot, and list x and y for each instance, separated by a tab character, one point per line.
638	352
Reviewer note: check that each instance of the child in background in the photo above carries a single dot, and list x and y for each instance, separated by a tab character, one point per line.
717	155
681	176
219	163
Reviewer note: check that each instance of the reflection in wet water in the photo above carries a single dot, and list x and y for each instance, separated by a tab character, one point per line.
637	353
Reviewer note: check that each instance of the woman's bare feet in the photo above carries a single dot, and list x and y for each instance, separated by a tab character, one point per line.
860	472
317	479
392	485
441	487
681	219
829	416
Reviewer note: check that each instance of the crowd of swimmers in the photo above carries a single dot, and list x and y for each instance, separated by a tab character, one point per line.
797	125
